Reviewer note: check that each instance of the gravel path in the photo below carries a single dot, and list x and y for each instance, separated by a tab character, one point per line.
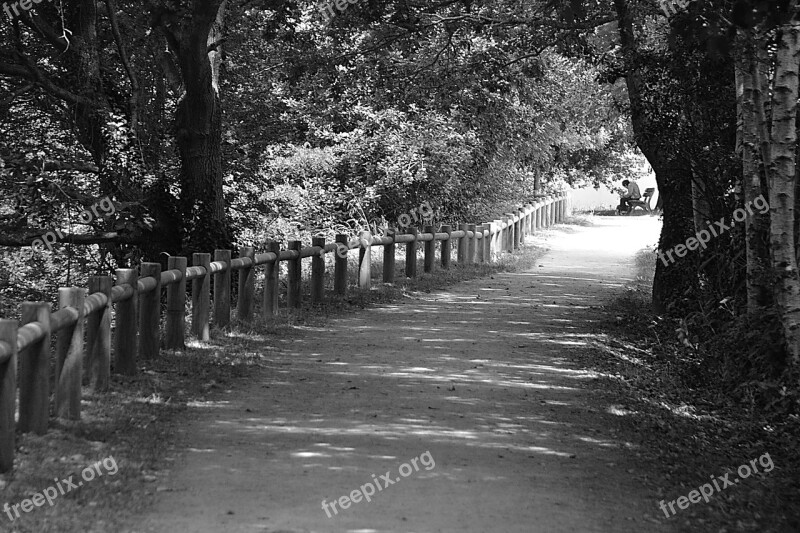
480	385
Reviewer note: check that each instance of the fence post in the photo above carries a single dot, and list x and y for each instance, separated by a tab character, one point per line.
471	244
126	339
294	273
447	245
430	250
411	254
365	261
8	395
547	210
98	335
201	297
508	235
517	230
560	206
34	372
318	271
222	289
150	313
481	244
497	238
69	357
528	218
520	225
511	238
463	245
340	265
271	280
489	246
388	257
176	306
247	282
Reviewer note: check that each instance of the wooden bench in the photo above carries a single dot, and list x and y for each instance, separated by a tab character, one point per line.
643	203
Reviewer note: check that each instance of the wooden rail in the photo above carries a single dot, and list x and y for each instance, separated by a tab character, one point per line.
135	299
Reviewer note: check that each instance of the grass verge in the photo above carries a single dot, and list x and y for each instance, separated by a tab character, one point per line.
693	426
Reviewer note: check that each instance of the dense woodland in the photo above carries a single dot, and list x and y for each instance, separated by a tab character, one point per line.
216	123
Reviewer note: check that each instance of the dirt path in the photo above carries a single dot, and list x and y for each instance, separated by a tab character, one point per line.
481	376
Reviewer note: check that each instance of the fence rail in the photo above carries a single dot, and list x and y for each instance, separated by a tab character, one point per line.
136	301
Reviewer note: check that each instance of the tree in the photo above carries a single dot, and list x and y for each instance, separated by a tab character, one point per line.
195	33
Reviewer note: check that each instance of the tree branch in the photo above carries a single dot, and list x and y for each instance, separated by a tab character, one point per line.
75	166
31	73
20	241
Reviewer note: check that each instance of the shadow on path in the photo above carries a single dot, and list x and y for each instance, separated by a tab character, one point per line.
483	376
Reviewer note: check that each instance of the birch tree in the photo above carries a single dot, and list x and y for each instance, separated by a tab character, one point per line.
748	147
782	176
767	93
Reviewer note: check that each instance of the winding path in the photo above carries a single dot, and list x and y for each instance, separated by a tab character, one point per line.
483	380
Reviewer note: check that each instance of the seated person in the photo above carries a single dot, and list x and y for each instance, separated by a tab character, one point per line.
631	194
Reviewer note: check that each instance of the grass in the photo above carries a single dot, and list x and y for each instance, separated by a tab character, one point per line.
134	421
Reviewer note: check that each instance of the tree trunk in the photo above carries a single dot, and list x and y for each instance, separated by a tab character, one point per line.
756	225
198	124
782	167
701	210
670	283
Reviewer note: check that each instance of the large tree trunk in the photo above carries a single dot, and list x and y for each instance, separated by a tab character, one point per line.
701	209
672	177
198	124
756	225
782	168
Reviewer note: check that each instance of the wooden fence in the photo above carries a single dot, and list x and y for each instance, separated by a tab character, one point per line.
138	303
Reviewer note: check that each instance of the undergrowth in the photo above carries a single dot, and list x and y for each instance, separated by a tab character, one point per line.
706	401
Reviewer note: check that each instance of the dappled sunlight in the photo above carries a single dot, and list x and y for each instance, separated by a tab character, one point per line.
619	410
490	372
206	404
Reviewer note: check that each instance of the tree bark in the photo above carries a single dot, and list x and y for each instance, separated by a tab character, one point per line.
756	225
672	177
198	125
782	171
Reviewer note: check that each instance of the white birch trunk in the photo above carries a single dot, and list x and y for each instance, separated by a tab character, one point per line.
782	185
756	225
